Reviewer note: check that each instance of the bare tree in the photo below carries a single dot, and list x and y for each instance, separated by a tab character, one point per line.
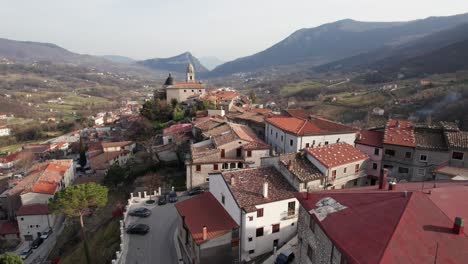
26	160
152	182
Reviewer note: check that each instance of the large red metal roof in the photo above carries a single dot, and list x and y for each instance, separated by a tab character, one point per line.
380	226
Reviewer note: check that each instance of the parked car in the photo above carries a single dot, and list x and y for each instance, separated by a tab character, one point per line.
25	254
140	212
37	242
173	197
285	257
162	200
195	191
45	234
140	229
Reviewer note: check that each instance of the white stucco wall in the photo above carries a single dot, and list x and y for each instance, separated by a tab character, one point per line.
377	159
280	140
181	95
273	213
219	188
32	224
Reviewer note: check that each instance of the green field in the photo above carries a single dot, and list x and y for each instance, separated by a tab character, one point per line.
297	87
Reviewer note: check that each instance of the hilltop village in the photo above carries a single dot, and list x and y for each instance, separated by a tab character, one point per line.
229	180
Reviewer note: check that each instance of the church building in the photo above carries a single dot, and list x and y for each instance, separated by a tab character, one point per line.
182	91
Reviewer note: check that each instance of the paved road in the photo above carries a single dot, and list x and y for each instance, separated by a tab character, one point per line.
158	245
42	252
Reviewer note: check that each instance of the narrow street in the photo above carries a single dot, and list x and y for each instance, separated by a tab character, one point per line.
158	245
42	252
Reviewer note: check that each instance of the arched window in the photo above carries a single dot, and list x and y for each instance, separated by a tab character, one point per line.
240	165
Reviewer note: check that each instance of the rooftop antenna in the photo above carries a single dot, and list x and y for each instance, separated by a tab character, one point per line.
436	253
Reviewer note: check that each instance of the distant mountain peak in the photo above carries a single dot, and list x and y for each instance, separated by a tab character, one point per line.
176	63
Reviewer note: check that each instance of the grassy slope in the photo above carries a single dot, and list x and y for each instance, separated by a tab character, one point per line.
297	87
102	231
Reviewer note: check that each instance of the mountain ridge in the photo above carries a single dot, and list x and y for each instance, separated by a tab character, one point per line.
337	40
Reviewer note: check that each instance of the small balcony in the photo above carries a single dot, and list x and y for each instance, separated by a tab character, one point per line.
289	214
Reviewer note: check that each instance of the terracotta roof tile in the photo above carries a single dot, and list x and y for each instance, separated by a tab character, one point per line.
249	187
299	113
337	154
399	132
8	228
458	140
116	144
186	85
314	126
33	209
177	128
205	210
300	166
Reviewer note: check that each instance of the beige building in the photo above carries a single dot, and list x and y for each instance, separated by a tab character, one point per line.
182	91
230	147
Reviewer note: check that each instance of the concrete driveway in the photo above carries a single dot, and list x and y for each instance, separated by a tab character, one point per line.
158	245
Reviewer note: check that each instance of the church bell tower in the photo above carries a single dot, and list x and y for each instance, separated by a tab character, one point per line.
190	73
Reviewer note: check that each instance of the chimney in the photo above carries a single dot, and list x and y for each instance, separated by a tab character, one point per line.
358	136
205	233
383	179
233	181
398	123
392	186
289	165
265	190
459	226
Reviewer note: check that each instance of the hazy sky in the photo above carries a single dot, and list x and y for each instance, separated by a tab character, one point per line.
163	28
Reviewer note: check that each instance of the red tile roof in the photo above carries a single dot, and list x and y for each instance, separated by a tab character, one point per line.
8	228
43	177
299	113
370	138
257	110
399	132
226	95
116	144
177	128
205	210
186	85
248	189
388	227
337	154
33	209
11	157
314	126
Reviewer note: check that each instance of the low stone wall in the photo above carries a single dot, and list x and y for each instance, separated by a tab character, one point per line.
121	255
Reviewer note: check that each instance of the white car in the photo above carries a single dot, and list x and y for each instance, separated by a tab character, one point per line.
25	254
45	234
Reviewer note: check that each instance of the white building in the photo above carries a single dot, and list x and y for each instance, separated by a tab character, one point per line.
262	203
342	165
35	190
371	143
33	219
56	175
5	131
288	134
231	146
